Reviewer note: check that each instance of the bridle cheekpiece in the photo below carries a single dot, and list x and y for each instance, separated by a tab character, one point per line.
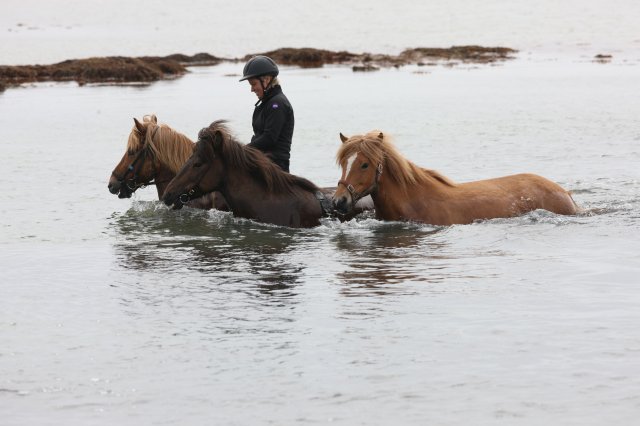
355	196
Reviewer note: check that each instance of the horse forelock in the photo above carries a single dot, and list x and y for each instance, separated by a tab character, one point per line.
256	163
360	144
382	151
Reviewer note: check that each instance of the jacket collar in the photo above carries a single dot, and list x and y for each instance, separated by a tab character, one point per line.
270	93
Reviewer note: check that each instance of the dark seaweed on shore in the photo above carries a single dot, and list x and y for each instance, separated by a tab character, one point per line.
112	69
146	69
311	58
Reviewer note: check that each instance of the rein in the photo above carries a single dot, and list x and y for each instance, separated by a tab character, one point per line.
355	196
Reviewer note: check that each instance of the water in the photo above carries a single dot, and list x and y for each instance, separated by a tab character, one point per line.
37	31
123	312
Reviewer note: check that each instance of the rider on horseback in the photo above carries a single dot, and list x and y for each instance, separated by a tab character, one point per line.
273	119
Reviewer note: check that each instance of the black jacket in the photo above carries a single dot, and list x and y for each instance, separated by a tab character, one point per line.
273	127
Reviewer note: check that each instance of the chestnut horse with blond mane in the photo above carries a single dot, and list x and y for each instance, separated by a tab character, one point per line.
155	152
402	190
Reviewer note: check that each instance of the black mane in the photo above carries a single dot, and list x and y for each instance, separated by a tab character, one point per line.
254	161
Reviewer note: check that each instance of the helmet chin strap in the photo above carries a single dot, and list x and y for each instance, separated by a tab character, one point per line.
264	89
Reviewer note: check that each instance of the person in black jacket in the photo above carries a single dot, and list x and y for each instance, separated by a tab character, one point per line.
273	120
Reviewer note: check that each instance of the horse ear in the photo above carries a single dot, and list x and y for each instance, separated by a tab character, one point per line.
217	141
139	125
343	138
381	136
154	119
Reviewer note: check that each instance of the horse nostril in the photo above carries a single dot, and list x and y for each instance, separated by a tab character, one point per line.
114	187
340	203
168	198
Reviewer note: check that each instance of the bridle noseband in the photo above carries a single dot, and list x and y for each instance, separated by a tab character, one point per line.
355	196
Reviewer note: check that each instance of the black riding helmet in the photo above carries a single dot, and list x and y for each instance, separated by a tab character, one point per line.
259	66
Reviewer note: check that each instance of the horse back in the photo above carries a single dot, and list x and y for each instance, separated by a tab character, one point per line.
525	192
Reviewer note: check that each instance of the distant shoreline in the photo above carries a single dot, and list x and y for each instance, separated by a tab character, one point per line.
147	69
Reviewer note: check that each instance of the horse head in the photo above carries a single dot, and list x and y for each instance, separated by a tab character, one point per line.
201	174
361	161
137	168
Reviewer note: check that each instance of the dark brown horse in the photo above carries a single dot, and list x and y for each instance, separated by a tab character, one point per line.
403	191
155	152
253	186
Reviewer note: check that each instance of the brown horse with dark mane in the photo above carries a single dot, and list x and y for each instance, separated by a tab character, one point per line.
253	186
155	152
402	191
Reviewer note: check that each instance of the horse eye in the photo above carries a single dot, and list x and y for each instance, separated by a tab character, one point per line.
197	164
130	153
365	165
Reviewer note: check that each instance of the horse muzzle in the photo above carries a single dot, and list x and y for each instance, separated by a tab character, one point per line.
117	187
114	185
343	204
172	200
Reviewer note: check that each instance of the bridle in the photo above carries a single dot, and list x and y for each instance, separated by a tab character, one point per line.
141	157
194	192
355	196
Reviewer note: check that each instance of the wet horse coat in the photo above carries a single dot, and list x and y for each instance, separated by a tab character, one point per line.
403	191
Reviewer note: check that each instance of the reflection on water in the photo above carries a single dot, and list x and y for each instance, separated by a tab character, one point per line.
213	246
373	258
392	257
204	251
384	258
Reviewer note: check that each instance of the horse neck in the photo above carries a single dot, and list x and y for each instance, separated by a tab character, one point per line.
393	202
180	161
243	192
163	176
165	172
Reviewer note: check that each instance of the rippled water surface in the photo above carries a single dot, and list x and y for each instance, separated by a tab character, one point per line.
124	312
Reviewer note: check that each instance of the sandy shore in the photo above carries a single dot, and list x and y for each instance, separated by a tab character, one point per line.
118	69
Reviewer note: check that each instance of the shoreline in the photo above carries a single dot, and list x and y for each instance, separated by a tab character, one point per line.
148	69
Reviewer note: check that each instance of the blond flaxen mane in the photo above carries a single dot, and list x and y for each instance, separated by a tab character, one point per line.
379	149
244	157
170	147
